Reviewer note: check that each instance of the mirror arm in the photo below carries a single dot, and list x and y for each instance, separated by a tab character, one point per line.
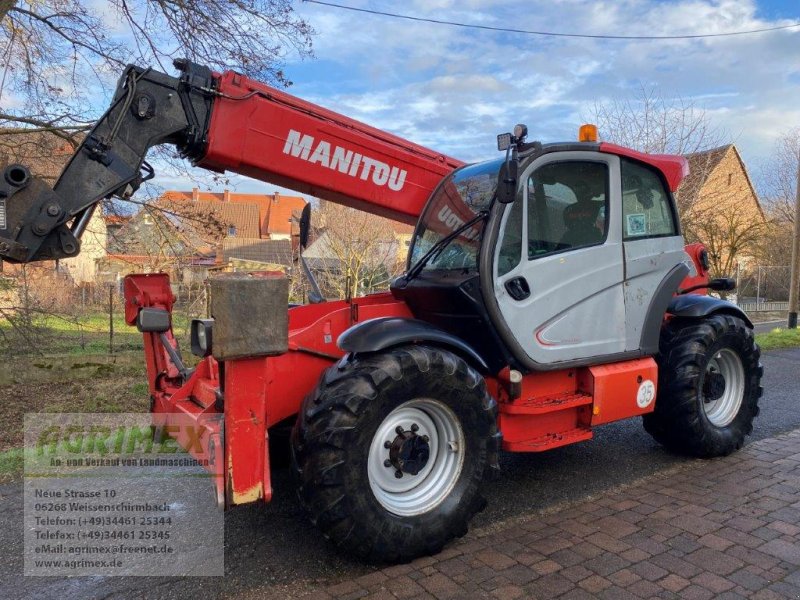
175	357
315	295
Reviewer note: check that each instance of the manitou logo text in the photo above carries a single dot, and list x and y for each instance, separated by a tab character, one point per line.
342	160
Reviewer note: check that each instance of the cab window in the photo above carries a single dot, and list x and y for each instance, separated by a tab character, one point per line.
646	204
567	207
566	204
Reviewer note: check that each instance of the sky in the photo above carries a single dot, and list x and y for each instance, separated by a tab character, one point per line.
454	89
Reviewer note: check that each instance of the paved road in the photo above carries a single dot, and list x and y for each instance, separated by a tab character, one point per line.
765	326
274	552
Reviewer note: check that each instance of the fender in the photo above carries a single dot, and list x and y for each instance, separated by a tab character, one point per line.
693	306
651	330
378	334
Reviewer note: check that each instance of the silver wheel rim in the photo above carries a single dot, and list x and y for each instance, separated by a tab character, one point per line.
416	494
722	411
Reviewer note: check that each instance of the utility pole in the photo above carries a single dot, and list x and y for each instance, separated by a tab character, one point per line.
795	279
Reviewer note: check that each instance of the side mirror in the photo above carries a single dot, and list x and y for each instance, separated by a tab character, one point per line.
507	182
152	320
201	336
305	225
722	284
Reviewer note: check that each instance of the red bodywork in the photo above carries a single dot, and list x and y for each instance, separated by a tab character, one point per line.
270	135
265	133
258	392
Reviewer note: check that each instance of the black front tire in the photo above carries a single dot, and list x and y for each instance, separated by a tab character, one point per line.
689	383
336	431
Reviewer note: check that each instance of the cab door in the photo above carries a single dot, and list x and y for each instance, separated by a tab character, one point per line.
654	253
558	261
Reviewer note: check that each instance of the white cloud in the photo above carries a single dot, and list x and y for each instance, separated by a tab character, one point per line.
455	88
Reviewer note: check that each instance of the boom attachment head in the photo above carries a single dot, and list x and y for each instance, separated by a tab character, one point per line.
149	108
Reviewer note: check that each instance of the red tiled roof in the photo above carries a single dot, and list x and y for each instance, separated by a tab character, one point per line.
402	228
281	210
243	217
274	210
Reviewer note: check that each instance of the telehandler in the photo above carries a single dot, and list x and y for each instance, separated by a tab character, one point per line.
547	292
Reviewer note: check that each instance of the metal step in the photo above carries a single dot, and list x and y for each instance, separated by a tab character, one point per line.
549	440
545	404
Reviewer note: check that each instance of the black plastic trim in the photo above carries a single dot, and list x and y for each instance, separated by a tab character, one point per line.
693	306
651	329
379	334
153	320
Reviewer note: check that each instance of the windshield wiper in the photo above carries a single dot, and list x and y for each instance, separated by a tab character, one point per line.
439	246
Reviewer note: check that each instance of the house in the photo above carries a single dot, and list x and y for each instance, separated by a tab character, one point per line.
355	252
275	211
719	207
187	239
270	252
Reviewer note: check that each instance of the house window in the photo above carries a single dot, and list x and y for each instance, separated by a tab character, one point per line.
232	231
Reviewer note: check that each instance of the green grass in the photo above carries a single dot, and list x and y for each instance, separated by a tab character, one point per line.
11	464
79	335
778	338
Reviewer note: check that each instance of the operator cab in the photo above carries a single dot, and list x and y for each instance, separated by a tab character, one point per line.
442	282
575	265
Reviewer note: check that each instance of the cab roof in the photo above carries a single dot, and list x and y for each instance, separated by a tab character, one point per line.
675	168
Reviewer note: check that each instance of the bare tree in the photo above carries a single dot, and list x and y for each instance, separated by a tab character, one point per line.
779	176
710	211
55	53
650	122
354	252
727	235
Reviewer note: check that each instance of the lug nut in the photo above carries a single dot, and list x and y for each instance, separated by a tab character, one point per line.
52	210
414	427
425	439
399	430
398	474
387	444
387	463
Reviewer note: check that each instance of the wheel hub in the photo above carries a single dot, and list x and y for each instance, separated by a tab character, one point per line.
409	452
416	456
713	386
723	387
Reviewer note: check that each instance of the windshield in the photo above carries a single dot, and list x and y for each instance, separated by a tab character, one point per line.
463	195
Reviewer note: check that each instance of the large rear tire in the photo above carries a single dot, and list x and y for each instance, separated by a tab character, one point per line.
709	383
390	450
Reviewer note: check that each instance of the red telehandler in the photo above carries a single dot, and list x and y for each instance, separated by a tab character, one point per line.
547	292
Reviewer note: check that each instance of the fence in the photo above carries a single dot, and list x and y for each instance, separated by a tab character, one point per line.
48	314
763	288
44	312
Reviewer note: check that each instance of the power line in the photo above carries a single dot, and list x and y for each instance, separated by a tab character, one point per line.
551	33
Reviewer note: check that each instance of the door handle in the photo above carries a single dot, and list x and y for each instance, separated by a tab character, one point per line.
518	288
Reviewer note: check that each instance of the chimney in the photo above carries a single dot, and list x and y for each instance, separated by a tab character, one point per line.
218	255
226	196
276	196
195	194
